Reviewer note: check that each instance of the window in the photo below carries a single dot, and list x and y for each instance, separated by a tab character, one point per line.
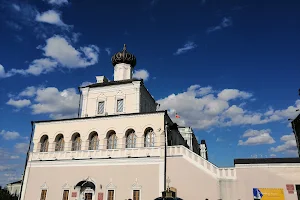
110	195
130	139
59	143
112	141
149	138
43	195
101	107
94	141
76	142
136	195
120	105
44	143
65	195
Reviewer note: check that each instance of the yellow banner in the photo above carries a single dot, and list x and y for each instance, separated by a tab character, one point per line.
269	193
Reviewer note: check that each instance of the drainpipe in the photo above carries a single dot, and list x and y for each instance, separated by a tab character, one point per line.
79	101
27	158
165	158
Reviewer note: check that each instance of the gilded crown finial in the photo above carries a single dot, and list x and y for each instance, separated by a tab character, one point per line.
124	48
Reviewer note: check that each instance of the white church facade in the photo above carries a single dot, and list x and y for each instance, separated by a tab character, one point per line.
115	150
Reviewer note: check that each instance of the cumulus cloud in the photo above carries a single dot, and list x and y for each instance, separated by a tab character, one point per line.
9	135
289	145
257	137
203	108
60	50
50	17
226	22
58	104
141	74
49	100
59	53
19	103
28	92
58	2
186	47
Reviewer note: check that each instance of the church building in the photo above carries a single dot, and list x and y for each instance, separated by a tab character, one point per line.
122	147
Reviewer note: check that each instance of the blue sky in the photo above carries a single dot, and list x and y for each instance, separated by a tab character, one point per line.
229	68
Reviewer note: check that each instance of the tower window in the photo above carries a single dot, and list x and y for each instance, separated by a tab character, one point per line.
120	105
101	107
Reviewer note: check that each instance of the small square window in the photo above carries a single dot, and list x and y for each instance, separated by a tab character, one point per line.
120	105
43	194
101	107
136	195
110	195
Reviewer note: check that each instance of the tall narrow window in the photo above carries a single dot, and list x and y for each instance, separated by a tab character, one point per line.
120	103
130	139
110	195
44	143
93	141
136	195
43	195
65	195
76	142
59	142
149	138
101	107
112	140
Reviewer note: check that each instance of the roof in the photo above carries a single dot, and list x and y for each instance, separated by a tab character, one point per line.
266	160
111	83
16	182
95	117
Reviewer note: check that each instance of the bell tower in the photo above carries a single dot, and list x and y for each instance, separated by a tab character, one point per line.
123	63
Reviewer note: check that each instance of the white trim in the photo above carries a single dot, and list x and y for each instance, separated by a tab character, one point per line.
66	186
63	190
44	186
111	186
95	162
268	165
136	186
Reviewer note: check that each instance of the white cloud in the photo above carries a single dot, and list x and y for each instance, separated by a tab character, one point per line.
141	74
229	94
186	47
28	92
257	137
37	67
203	108
60	50
85	83
58	104
50	17
3	74
226	22
75	37
289	145
108	51
9	135
21	147
14	25
16	7
58	2
19	103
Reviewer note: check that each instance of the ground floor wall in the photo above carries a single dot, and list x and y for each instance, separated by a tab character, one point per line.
123	176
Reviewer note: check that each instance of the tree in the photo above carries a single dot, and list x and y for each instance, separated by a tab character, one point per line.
5	195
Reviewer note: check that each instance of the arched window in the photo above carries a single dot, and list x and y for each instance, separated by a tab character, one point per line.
44	143
59	142
93	141
76	142
130	139
149	140
111	140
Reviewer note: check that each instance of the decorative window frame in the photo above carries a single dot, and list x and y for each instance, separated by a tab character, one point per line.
44	187
120	95
110	186
136	186
101	98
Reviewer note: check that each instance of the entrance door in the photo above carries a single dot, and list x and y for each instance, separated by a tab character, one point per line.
88	196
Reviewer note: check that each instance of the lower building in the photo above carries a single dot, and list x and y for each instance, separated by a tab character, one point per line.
14	187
